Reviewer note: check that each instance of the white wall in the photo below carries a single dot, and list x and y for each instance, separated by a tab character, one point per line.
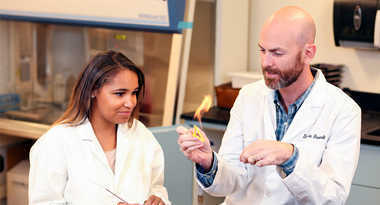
362	70
201	61
231	37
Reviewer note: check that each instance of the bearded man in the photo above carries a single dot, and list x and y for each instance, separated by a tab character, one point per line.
292	138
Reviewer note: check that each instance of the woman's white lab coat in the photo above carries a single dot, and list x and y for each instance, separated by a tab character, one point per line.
326	130
68	166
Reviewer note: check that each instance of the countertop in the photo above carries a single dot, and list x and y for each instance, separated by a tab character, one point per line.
214	115
370	122
23	129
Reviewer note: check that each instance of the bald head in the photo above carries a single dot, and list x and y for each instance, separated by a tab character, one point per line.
293	21
287	49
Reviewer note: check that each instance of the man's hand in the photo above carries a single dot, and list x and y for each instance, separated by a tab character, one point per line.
195	150
266	152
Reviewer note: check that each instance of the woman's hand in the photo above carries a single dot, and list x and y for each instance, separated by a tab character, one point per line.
154	200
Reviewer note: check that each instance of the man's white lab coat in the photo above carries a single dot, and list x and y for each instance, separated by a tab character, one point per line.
69	166
326	130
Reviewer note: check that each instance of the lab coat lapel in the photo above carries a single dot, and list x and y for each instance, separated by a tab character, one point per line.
308	113
270	117
122	149
90	141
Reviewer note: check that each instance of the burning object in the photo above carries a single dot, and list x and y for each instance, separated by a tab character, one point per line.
204	107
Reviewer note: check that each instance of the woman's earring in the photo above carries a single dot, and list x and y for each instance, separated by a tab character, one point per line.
93	96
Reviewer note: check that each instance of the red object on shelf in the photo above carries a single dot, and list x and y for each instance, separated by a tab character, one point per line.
226	95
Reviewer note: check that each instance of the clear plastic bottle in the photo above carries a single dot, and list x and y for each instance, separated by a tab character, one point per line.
59	89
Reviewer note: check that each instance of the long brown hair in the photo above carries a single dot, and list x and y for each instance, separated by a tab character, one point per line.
98	71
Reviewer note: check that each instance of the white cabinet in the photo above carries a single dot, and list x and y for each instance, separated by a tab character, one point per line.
363	195
178	169
366	183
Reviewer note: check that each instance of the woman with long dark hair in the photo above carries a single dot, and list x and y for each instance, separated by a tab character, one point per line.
97	152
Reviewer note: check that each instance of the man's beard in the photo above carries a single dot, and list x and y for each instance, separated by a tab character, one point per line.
287	76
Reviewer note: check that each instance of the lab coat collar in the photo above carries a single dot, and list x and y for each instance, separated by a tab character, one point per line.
86	131
309	108
87	134
316	94
91	143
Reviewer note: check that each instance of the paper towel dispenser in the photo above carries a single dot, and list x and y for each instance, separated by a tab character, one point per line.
357	23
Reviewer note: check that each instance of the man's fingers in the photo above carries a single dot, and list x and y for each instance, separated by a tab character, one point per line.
244	156
266	162
190	143
182	130
188	151
187	138
186	144
252	154
194	147
262	163
252	160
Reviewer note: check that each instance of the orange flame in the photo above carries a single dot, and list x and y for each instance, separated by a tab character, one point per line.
204	107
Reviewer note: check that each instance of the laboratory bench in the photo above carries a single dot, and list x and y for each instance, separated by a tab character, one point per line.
365	186
370	130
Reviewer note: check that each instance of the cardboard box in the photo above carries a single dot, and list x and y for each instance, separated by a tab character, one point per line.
17	184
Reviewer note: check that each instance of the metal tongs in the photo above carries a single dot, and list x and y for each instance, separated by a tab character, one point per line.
115	195
109	191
